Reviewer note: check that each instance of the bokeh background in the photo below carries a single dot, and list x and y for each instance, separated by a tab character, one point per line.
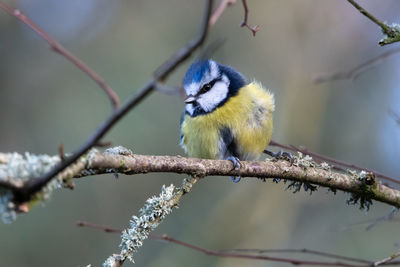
46	101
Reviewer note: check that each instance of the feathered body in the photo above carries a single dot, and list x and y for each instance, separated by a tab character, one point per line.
230	119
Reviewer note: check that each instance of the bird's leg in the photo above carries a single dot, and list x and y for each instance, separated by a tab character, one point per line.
280	155
236	165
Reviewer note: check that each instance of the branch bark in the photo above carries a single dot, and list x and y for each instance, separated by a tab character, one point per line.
303	170
362	184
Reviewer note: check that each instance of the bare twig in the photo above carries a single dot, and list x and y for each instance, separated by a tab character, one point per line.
162	72
356	71
98	227
392	32
387	260
57	47
387	217
253	29
320	158
170	90
246	253
250	256
301	251
219	10
370	16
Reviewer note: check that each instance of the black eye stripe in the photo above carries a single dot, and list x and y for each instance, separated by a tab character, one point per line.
208	86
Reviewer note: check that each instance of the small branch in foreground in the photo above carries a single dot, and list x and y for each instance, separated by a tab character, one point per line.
154	211
57	47
353	73
249	253
392	32
253	29
320	158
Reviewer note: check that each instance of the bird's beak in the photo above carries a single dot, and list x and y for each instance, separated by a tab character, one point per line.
190	99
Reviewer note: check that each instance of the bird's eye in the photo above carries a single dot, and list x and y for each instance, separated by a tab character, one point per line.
206	87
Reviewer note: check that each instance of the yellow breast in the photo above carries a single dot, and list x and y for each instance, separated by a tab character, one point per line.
248	116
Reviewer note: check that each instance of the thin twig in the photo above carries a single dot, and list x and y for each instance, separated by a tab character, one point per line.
392	33
301	251
162	72
57	47
98	227
169	90
253	29
384	27
353	73
219	10
252	257
320	157
387	260
236	252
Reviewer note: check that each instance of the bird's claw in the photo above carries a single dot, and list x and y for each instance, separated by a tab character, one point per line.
281	155
236	165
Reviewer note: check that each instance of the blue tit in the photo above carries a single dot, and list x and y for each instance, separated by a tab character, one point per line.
225	116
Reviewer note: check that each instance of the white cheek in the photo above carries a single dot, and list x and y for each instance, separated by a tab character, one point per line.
216	95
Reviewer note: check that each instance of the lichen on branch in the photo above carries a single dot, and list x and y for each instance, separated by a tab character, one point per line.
303	173
150	217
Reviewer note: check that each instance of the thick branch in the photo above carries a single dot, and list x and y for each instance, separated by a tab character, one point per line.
302	170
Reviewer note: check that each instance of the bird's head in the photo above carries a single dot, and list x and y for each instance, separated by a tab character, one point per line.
209	85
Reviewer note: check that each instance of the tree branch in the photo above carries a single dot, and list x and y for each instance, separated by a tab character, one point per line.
392	32
35	185
304	170
337	162
57	47
253	29
249	253
219	10
356	71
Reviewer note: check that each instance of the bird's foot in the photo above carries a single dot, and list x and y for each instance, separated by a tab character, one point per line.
236	165
280	155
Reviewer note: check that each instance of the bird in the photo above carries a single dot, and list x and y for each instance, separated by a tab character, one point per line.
225	116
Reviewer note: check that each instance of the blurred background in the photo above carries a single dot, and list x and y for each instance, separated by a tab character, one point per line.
46	101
